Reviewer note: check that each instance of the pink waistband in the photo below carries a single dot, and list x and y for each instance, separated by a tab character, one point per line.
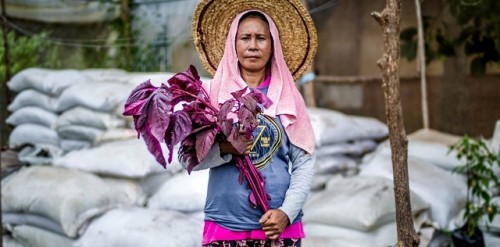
214	232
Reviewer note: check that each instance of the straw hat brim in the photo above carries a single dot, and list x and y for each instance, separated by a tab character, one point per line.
212	19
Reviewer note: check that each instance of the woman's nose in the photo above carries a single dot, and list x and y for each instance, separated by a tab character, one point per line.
253	44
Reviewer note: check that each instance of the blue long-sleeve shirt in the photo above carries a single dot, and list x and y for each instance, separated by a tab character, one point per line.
287	169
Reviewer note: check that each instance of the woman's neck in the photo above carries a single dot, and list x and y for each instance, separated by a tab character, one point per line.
253	79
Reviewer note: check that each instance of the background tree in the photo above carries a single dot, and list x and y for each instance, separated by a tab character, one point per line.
466	35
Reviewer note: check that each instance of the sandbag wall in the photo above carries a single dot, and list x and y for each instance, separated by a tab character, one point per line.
88	180
91	182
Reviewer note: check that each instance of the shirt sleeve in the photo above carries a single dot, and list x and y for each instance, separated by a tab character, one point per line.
300	182
213	159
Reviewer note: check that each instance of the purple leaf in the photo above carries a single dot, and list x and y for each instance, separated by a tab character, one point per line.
250	103
180	126
226	127
158	109
225	108
235	140
247	119
204	142
154	147
261	98
188	81
239	93
136	125
253	201
200	119
138	97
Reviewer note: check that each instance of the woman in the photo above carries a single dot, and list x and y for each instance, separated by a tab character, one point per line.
281	146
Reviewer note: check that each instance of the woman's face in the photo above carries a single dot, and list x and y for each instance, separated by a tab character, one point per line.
253	44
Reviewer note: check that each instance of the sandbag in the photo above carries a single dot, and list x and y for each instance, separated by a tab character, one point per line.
131	187
119	134
357	147
151	183
32	97
8	241
79	132
116	75
444	191
89	118
33	236
128	158
69	197
319	235
319	181
434	153
32	114
183	192
39	154
334	164
32	134
335	127
431	146
51	82
71	145
135	227
99	96
14	219
359	203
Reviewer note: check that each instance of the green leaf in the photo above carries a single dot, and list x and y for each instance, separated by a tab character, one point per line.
477	66
409	50
408	34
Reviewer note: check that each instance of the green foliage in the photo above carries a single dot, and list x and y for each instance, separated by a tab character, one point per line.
480	34
25	52
478	167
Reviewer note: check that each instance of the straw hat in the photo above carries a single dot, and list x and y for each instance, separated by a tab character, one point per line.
212	19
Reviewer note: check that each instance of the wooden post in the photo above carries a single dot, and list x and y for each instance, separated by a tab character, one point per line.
390	20
309	97
421	67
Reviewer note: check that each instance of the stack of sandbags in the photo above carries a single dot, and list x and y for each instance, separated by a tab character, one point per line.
58	111
184	193
47	205
142	227
91	113
356	211
35	108
443	190
431	146
341	141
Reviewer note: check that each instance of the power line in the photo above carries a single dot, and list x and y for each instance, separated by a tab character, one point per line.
79	43
324	6
123	42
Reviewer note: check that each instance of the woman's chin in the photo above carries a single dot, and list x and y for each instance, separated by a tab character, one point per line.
253	68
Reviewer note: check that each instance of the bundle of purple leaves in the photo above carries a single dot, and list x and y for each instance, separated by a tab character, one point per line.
198	124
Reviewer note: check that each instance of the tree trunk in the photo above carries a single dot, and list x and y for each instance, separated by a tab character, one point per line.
455	86
390	19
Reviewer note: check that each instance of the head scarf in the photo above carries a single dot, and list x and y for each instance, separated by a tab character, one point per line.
288	103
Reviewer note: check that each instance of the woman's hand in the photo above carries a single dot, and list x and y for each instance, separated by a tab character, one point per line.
227	147
273	223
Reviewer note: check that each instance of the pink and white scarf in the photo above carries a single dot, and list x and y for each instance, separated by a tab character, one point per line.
288	103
